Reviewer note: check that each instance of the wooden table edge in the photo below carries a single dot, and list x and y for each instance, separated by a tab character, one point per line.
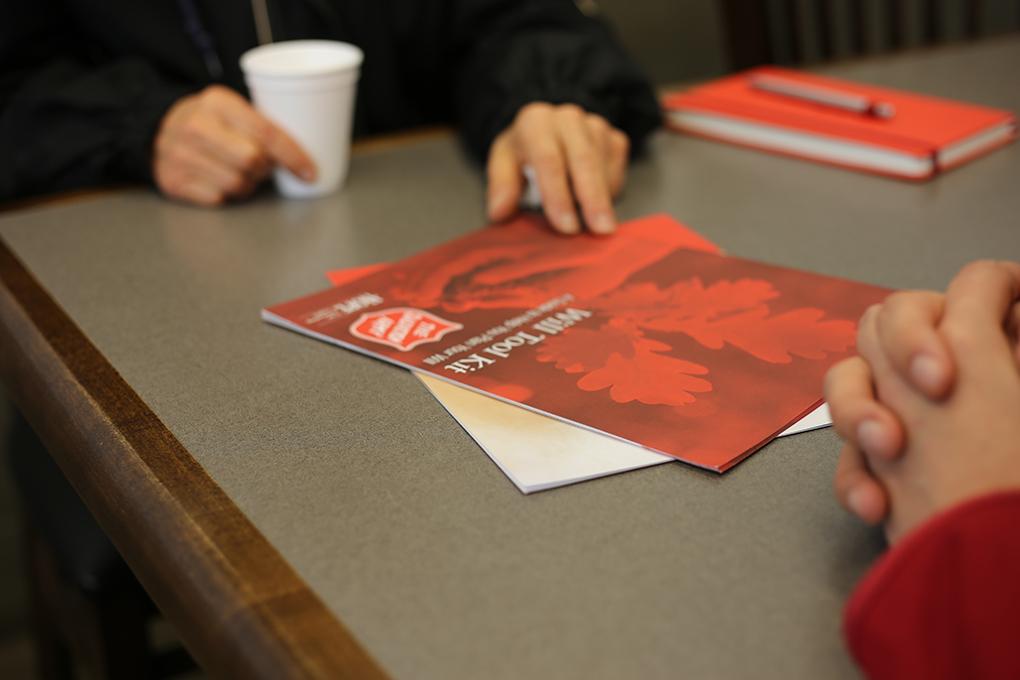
240	609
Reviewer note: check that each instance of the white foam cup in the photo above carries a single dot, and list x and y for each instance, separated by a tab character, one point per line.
307	88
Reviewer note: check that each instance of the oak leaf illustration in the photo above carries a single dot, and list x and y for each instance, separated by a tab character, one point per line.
667	309
648	377
800	332
617	356
733	312
620	357
581	350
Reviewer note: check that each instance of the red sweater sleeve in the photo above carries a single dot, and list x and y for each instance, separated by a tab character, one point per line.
945	602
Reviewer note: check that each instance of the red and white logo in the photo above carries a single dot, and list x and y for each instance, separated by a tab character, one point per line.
402	327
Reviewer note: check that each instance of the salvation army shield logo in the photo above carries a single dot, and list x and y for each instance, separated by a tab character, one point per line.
402	327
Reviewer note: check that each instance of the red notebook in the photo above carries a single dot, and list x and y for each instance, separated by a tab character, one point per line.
840	122
649	336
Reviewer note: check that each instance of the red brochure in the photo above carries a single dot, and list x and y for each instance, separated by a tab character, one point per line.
339	277
649	335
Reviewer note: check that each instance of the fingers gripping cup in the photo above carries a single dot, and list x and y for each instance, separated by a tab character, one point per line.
307	88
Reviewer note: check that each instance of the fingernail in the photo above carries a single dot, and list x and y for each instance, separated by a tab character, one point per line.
568	223
871	437
602	223
926	372
855	501
498	202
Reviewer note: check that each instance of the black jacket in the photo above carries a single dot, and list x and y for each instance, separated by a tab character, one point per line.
84	83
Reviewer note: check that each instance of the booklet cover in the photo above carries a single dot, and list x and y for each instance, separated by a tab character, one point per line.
840	122
537	452
692	354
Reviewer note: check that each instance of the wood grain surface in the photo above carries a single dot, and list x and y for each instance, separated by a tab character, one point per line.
241	610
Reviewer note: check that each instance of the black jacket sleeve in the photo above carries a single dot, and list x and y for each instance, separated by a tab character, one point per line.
84	84
72	115
519	51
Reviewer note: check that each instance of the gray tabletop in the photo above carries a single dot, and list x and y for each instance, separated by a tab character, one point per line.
399	521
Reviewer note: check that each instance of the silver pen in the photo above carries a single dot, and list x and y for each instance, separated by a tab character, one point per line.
826	96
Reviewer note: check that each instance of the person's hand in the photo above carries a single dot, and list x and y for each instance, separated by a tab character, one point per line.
213	146
905	325
576	156
958	445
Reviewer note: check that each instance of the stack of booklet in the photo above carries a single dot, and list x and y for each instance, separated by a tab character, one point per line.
650	336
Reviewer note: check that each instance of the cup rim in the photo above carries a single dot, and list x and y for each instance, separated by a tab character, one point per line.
264	60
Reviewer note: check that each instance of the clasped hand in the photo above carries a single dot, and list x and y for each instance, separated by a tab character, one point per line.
213	146
930	410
